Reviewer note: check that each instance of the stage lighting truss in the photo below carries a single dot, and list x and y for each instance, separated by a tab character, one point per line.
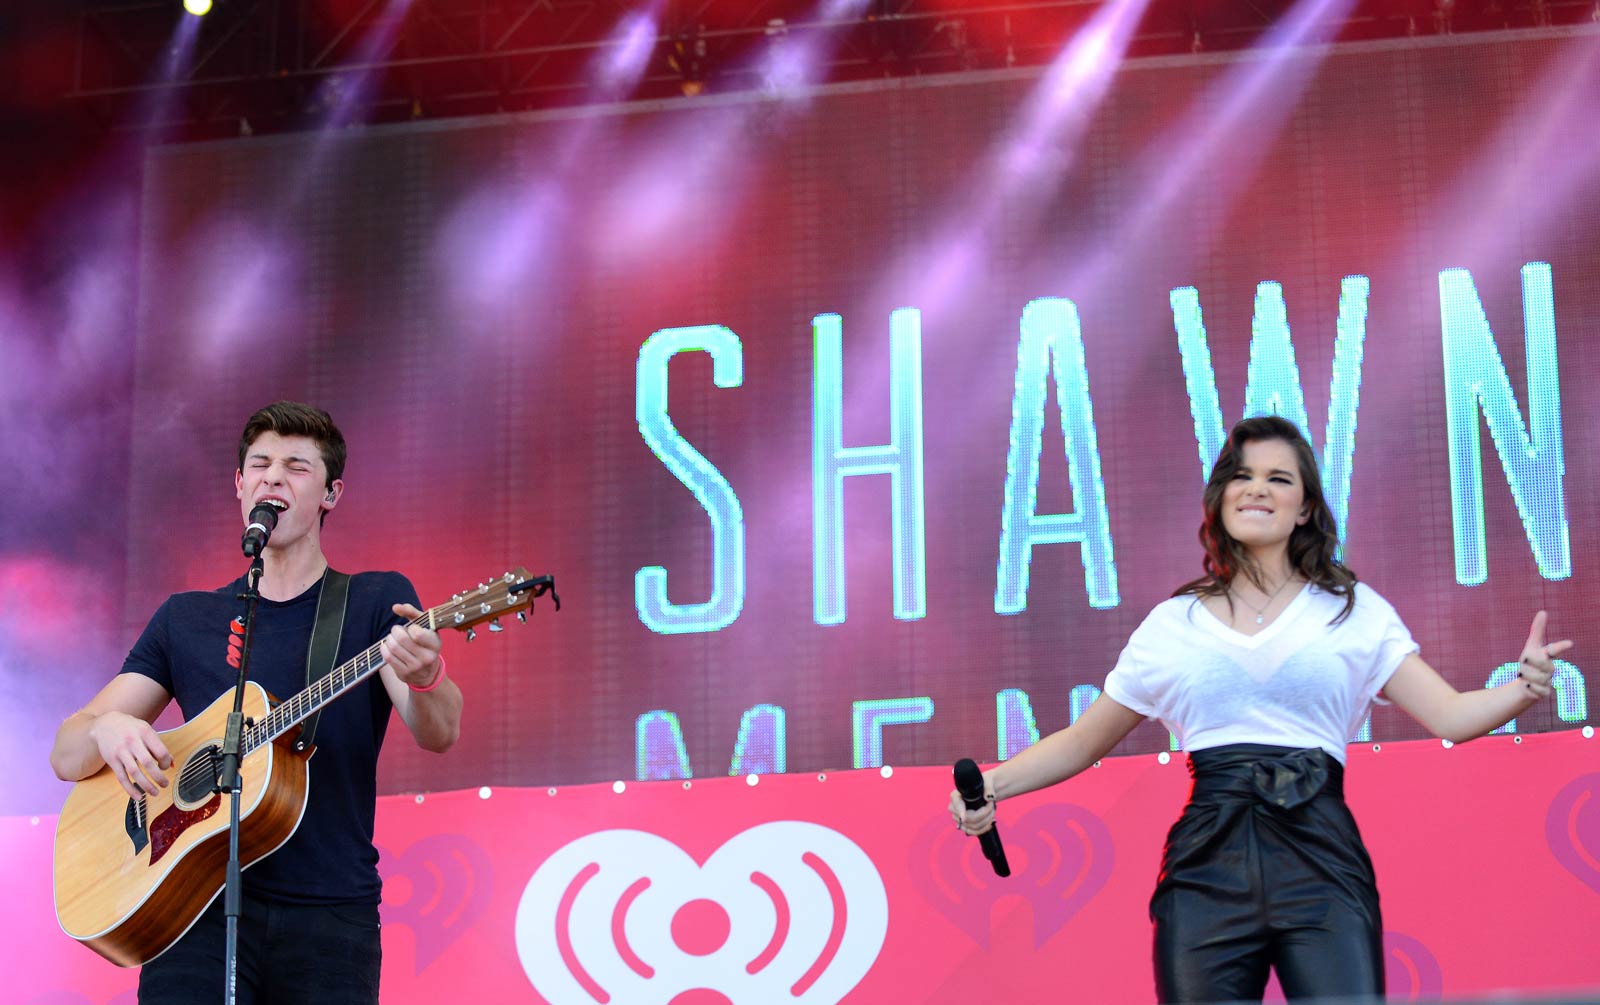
263	61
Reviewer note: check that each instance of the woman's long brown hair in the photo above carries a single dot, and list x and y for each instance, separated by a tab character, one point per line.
1313	546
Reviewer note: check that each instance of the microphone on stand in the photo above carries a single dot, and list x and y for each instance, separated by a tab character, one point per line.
262	519
969	783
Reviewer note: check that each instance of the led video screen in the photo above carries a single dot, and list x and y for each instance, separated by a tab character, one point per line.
862	426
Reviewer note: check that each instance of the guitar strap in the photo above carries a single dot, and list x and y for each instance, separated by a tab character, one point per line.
324	648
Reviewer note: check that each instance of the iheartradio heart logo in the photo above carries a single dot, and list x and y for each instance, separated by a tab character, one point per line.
1060	856
438	888
1412	972
783	912
1572	828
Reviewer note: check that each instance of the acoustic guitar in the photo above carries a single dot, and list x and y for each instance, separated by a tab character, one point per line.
131	875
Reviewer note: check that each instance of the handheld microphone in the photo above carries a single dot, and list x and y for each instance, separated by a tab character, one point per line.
262	519
969	783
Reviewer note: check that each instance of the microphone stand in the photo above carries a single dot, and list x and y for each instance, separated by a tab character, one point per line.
229	781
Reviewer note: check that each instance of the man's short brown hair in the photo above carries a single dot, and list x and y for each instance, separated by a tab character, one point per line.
291	418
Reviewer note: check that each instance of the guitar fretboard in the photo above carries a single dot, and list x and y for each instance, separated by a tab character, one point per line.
290	713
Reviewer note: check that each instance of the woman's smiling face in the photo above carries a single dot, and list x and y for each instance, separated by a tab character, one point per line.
1265	500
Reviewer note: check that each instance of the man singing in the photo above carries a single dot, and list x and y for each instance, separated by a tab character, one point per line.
308	931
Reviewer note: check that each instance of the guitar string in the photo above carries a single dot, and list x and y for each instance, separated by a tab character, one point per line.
347	676
300	707
197	768
355	670
290	712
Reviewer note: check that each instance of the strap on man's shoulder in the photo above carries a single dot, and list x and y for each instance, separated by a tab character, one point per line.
324	648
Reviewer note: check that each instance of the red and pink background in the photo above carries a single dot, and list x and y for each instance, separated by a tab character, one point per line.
470	299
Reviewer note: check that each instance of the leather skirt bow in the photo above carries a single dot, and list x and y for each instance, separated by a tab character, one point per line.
1265	857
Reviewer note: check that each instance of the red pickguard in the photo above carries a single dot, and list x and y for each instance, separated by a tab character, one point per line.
170	824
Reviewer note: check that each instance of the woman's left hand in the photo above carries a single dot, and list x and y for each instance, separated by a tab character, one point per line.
1537	664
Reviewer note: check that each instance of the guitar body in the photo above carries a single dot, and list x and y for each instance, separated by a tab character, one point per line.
132	875
130	878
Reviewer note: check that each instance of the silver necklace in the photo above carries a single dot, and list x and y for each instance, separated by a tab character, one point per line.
1261	612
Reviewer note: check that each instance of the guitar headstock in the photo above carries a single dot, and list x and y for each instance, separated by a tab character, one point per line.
511	593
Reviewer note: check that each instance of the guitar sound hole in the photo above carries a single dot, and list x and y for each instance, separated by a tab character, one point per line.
199	776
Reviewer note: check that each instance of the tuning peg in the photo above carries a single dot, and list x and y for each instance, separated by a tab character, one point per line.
496	626
472	633
522	616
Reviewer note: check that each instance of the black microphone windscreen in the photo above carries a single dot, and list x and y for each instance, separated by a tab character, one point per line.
266	515
969	780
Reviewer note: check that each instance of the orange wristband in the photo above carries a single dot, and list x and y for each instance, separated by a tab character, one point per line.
437	678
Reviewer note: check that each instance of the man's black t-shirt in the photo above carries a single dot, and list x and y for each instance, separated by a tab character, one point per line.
191	648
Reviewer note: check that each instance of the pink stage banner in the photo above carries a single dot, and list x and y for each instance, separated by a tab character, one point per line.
855	887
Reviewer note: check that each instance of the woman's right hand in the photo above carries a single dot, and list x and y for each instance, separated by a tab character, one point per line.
978	821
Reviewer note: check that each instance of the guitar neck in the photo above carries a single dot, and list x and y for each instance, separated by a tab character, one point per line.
325	689
511	593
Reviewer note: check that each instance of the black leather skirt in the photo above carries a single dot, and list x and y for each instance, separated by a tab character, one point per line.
1266	868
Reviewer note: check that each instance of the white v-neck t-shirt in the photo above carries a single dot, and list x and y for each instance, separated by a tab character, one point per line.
1299	682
